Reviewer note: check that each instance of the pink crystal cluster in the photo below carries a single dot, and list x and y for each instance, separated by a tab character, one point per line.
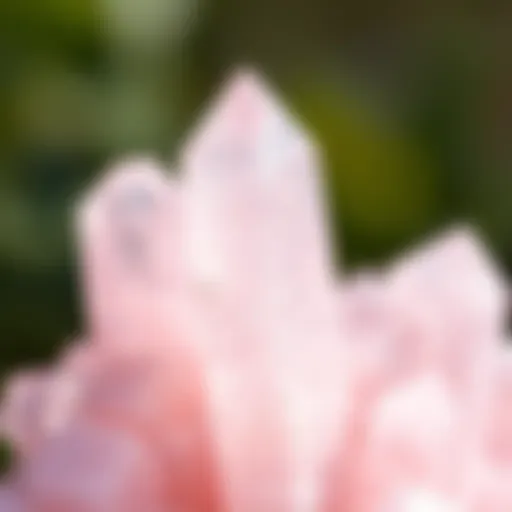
226	367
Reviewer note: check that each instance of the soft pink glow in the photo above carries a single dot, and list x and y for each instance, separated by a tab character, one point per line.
226	368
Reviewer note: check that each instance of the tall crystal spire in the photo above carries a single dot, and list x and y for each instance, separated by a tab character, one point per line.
258	235
129	248
255	193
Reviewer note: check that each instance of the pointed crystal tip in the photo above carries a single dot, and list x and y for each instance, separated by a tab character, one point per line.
245	81
245	75
249	112
244	94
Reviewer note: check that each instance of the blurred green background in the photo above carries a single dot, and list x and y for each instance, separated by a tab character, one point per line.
412	101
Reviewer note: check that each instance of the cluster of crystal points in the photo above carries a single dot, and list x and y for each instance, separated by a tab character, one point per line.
226	367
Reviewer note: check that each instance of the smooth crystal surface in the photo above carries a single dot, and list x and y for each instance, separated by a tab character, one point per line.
226	366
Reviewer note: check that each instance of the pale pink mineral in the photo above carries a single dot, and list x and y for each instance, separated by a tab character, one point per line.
226	367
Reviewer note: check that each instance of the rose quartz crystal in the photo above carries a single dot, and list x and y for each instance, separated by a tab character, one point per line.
226	367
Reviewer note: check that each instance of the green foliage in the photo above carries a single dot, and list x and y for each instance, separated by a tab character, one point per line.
6	457
383	190
411	112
